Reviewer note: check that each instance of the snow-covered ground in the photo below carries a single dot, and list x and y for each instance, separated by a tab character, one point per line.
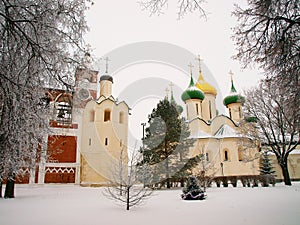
75	205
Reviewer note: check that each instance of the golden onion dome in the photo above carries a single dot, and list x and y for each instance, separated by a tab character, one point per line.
205	86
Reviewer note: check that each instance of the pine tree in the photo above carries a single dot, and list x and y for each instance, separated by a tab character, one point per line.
266	164
166	143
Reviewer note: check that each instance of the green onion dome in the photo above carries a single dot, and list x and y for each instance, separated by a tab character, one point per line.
192	92
233	97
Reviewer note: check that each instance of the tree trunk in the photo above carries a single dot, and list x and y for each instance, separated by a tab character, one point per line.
10	188
168	174
285	173
0	188
181	182
128	196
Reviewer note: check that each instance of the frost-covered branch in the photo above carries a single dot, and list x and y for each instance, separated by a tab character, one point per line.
267	34
37	40
276	115
184	7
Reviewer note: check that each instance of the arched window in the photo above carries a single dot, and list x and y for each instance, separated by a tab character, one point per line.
106	115
64	109
121	117
106	141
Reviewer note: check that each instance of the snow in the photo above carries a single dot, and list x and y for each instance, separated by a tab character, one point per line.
200	134
226	131
75	205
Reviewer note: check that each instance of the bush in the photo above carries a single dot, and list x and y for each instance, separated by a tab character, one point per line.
267	179
233	180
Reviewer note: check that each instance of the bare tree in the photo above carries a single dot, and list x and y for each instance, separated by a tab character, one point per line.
277	124
40	43
128	183
268	34
206	168
184	6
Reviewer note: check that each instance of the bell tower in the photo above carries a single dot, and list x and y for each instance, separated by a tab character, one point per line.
104	134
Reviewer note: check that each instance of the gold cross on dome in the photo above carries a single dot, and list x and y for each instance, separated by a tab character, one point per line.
198	58
191	68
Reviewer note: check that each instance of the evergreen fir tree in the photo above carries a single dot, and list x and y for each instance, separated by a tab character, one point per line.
166	143
266	164
192	190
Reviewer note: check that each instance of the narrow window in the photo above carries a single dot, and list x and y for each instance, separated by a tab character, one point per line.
210	116
187	110
90	141
106	141
106	115
180	156
201	109
92	116
240	154
230	113
226	155
197	109
206	156
121	117
121	143
240	112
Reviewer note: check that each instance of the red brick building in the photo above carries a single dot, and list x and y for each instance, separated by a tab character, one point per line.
60	162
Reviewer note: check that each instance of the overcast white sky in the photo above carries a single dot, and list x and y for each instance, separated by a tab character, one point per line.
115	24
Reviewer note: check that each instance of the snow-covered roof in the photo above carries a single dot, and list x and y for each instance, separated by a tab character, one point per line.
200	134
225	131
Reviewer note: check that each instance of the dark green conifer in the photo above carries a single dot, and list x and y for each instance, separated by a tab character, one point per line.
266	164
192	190
166	143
